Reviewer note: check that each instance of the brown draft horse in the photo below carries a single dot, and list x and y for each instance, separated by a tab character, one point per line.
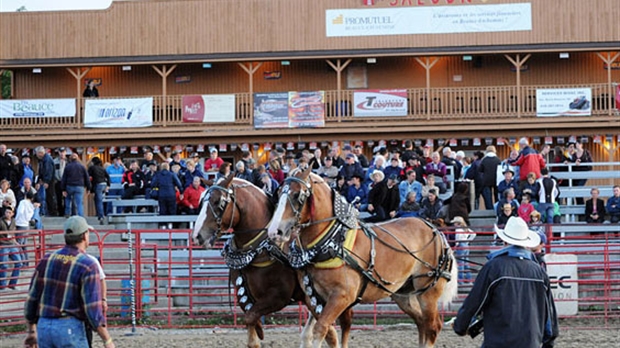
263	285
406	259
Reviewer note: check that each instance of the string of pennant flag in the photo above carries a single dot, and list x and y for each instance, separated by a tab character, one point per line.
313	145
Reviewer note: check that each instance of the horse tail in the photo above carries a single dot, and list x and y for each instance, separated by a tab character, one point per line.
259	330
451	288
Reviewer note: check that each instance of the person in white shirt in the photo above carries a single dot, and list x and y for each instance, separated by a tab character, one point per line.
463	235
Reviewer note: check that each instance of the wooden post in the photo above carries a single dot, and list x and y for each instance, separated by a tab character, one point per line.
164	73
518	63
427	64
609	60
339	67
79	75
250	69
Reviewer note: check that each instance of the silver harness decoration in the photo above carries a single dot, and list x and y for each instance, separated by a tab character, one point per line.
330	245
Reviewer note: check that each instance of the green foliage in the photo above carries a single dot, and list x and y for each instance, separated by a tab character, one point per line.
5	78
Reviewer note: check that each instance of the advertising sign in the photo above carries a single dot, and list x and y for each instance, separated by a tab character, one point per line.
306	109
428	20
562	270
377	102
271	110
37	108
618	97
564	102
118	113
213	108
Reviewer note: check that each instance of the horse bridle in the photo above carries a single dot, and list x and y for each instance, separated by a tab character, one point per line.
222	204
301	200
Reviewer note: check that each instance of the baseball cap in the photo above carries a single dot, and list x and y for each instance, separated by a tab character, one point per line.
76	225
195	154
347	148
350	155
213	150
393	176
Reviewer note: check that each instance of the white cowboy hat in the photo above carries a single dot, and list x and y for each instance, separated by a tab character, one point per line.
379	174
517	233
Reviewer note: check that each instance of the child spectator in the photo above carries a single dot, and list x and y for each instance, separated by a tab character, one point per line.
526	208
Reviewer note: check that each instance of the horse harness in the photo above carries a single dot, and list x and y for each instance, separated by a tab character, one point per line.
330	245
260	251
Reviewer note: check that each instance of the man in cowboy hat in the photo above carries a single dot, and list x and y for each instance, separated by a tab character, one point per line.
512	291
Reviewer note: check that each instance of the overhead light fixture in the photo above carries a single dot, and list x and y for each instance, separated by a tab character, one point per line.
285	62
126	67
564	55
36	70
468	58
371	60
206	65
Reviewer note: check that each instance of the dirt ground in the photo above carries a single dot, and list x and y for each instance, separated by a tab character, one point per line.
390	336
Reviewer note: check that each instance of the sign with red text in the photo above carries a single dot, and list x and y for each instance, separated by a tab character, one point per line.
212	108
378	102
428	20
618	97
306	109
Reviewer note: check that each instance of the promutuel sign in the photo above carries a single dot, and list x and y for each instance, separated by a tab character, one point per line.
562	270
428	20
376	102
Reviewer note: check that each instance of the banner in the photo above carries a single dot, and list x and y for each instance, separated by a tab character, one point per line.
429	20
212	108
118	113
306	109
271	110
377	102
37	108
564	102
562	270
618	97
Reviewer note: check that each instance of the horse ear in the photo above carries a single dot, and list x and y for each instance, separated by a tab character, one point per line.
306	172
228	181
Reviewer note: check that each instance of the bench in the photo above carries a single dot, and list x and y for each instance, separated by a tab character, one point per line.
134	204
584	229
161	219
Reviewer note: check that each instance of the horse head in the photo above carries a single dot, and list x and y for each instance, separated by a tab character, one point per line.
292	209
215	213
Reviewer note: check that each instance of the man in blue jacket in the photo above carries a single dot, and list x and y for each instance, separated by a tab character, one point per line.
512	292
45	190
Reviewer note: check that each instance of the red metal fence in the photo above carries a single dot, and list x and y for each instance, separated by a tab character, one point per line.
178	285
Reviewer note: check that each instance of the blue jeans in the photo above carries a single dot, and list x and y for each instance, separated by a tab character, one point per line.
41	198
487	195
13	253
61	333
462	255
115	192
99	190
75	194
546	209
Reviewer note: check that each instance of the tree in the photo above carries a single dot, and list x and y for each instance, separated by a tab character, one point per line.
22	9
5	78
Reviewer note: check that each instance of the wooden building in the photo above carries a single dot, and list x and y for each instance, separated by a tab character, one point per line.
470	68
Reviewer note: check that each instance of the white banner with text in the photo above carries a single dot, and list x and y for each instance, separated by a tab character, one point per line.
429	20
118	113
37	108
377	102
564	102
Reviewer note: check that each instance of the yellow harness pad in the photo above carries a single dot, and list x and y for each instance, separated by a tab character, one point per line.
254	263
347	245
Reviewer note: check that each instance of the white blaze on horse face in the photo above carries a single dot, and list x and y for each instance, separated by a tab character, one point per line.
202	217
272	231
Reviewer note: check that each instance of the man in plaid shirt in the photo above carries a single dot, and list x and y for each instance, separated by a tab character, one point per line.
65	292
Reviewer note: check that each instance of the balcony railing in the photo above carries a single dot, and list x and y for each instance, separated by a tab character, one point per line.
465	103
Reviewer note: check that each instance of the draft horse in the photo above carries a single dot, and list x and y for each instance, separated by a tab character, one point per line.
263	280
343	261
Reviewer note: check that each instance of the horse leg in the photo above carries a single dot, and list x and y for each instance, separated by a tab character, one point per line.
306	335
431	324
411	306
346	319
333	309
254	328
